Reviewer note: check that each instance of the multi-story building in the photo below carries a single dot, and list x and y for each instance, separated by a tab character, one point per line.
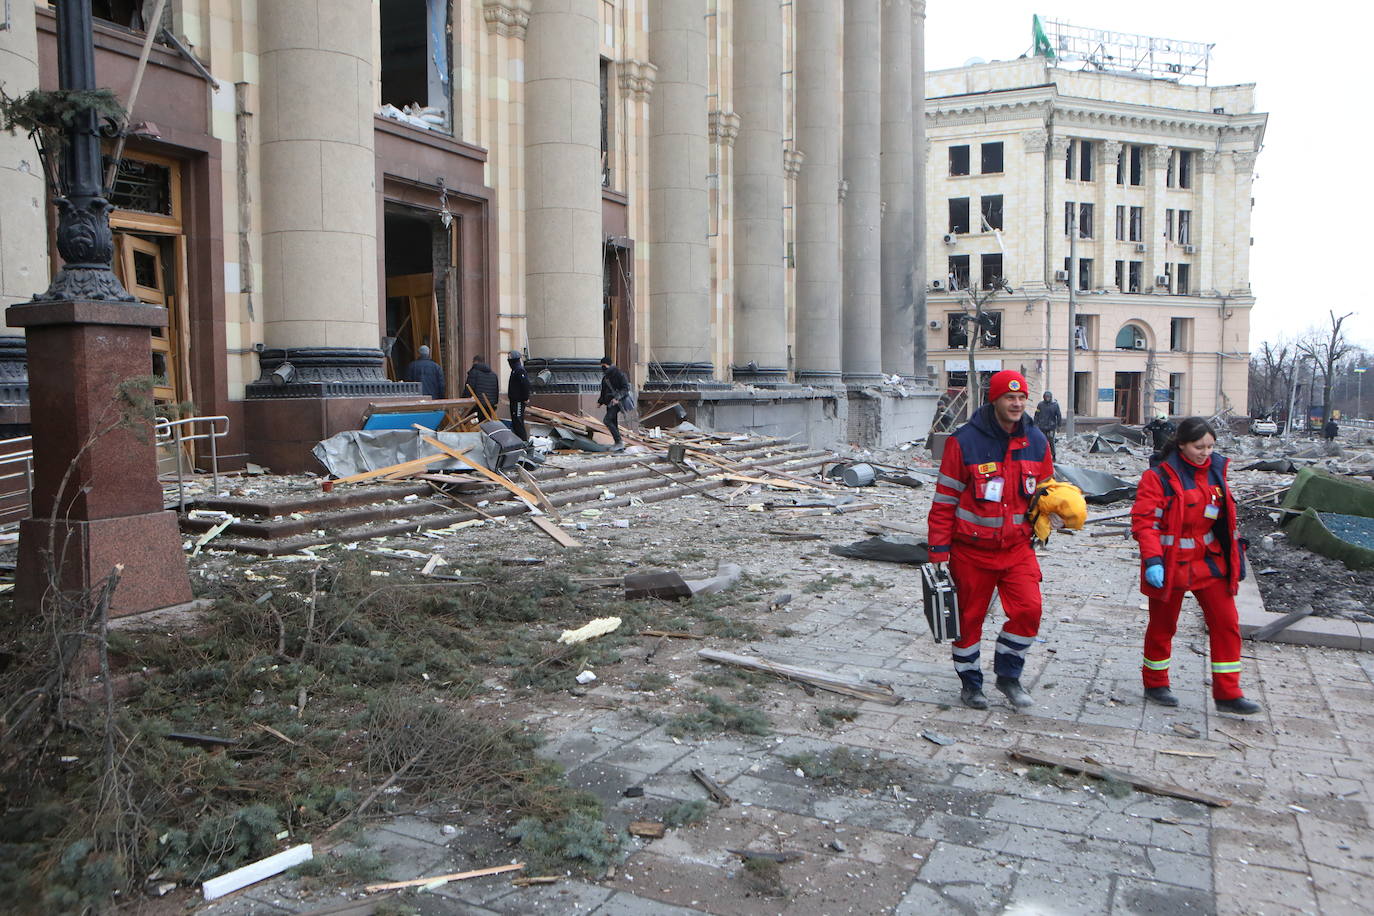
720	194
1157	174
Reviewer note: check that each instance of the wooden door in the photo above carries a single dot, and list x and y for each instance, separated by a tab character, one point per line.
143	269
413	296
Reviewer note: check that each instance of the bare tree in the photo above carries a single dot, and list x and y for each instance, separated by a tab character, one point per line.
1326	349
1271	378
980	327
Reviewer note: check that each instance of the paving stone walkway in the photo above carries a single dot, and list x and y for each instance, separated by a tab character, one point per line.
971	831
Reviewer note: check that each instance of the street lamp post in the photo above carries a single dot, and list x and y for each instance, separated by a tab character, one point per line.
1359	391
96	502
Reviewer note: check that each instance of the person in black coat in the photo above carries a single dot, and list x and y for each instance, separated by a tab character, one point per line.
483	384
1161	430
615	396
518	393
1332	429
1048	418
428	373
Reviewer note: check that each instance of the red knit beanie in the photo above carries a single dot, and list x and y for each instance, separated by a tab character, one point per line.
1007	380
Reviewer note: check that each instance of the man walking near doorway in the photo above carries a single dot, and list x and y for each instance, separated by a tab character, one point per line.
979	523
428	373
518	393
615	396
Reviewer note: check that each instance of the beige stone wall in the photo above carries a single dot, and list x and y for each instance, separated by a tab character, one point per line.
23	230
1037	127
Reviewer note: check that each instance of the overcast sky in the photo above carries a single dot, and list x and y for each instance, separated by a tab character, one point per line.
1311	63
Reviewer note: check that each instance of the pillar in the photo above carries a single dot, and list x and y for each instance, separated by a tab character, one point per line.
899	328
563	238
819	26
862	350
1156	201
920	149
679	283
760	319
1244	165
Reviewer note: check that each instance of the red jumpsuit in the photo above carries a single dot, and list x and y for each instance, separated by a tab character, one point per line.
978	522
1184	519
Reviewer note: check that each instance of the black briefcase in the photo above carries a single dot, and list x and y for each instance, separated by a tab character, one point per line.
941	602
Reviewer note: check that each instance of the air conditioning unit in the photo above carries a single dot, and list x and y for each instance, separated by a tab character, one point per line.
1162	280
937	285
1140	246
936	324
1140	344
950	238
1061	276
1190	249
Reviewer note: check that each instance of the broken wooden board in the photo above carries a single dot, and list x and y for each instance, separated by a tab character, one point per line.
1278	626
525	496
554	531
544	500
835	683
444	879
713	788
252	873
416	465
664	584
1097	771
649	830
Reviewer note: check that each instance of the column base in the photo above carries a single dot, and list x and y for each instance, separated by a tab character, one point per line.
760	376
820	378
148	544
683	377
564	375
325	372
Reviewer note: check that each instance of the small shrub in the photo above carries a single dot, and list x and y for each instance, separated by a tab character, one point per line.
718	715
685	813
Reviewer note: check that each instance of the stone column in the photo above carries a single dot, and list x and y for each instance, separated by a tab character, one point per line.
899	328
563	241
921	149
1056	194
319	211
1156	201
862	204
1112	196
23	219
679	285
1204	222
760	320
1239	281
819	27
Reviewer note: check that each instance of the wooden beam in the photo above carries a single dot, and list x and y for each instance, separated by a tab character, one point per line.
835	683
488	473
554	531
456	876
1287	620
1097	771
415	464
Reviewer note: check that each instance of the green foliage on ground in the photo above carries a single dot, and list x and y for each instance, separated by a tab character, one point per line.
714	715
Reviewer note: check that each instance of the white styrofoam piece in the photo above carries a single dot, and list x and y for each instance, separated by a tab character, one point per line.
258	871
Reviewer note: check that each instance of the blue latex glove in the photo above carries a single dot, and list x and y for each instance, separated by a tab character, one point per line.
1155	575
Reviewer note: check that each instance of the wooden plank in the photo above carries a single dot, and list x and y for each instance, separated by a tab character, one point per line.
670	634
485	472
825	680
713	788
1287	620
1098	771
898	526
649	830
554	531
777	482
456	876
261	870
415	464
544	500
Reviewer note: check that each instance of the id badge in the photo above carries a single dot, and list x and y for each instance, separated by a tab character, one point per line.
1212	511
992	492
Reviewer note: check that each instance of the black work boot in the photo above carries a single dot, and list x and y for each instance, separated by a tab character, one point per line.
1161	695
1011	687
973	697
1240	706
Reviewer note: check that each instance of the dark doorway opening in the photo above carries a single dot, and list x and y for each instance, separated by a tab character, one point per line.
1128	397
617	301
418	256
1083	394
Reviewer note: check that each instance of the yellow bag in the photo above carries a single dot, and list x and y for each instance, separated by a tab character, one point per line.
1056	500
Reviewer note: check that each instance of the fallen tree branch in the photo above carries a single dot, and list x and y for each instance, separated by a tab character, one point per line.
1091	768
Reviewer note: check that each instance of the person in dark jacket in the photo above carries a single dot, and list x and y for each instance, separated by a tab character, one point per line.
483	384
1161	430
1184	520
428	373
615	396
1331	429
1048	418
518	393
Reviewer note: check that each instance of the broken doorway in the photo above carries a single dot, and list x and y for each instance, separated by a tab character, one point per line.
418	255
415	49
617	302
1083	400
1128	397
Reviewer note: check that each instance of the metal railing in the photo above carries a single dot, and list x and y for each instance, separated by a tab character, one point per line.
16	463
171	432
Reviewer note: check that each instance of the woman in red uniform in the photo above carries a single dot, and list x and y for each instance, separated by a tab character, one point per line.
1184	520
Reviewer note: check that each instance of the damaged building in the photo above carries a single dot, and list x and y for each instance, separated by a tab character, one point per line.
1155	167
720	194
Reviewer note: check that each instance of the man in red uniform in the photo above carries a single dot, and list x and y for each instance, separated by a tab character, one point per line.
979	524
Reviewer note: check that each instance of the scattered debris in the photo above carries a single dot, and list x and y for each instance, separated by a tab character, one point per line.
664	584
937	738
437	880
1186	731
586	677
649	830
778	857
727	575
554	531
1269	630
633	792
713	788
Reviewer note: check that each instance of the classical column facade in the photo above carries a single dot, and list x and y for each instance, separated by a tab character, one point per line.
1203	232
1156	201
1244	164
23	219
899	328
320	220
563	238
819	25
680	282
862	351
921	150
760	353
